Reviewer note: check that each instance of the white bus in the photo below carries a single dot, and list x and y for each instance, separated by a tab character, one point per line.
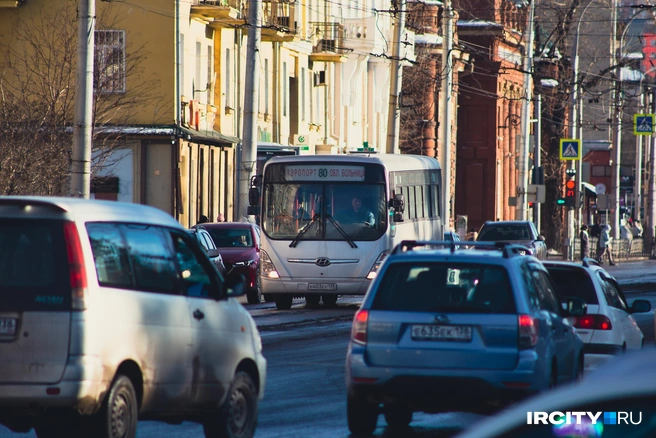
328	221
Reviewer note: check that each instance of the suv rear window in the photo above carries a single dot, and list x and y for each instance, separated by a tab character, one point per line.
33	268
445	287
504	232
573	282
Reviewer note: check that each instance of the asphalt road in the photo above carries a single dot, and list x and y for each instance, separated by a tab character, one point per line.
305	389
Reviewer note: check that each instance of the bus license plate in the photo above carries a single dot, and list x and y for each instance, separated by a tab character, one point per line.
322	286
7	326
461	333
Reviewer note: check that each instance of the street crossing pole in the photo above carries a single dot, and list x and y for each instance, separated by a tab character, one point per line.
396	71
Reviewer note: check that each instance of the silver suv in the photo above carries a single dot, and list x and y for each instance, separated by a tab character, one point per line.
111	312
456	329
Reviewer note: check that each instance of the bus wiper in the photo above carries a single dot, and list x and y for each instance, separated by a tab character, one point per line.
303	231
342	232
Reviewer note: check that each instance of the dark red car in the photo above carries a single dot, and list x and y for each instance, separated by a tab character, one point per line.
239	245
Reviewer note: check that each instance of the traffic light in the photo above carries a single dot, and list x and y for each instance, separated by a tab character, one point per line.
570	188
560	201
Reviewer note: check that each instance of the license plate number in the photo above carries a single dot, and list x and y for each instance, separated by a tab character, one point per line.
322	286
461	333
7	326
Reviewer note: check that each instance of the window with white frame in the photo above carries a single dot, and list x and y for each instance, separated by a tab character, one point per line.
109	60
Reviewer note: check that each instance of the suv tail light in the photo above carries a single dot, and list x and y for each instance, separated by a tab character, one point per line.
528	331
77	272
593	322
359	328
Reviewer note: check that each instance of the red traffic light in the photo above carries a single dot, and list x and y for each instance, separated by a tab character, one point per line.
570	184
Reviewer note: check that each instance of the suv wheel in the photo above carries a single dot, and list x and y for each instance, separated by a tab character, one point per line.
238	415
119	413
312	300
329	300
284	301
397	416
362	415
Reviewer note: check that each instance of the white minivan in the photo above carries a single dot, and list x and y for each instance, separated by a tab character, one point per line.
111	313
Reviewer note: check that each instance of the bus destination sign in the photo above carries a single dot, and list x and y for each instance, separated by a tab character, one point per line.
321	172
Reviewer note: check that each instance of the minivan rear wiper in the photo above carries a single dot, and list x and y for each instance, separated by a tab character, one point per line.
303	231
341	231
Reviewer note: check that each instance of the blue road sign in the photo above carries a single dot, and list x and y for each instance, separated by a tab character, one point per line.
643	124
570	149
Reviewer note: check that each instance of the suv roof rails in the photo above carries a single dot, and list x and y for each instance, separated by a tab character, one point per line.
589	261
509	249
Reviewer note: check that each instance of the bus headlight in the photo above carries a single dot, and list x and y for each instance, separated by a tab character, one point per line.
374	269
267	270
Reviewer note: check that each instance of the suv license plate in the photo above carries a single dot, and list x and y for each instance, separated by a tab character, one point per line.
460	333
7	326
322	286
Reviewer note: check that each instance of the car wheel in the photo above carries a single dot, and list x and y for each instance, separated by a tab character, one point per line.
329	300
362	415
118	415
397	416
284	301
238	415
269	298
312	300
580	368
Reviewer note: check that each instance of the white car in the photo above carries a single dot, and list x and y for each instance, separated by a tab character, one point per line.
608	328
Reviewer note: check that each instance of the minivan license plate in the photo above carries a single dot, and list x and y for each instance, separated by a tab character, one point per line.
460	333
7	326
322	286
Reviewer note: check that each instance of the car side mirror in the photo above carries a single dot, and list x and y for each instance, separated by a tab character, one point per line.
640	306
234	283
213	252
541	237
575	306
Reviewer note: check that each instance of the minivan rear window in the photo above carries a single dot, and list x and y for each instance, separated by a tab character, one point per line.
33	267
573	282
445	287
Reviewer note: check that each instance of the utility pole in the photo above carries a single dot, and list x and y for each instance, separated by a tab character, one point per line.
247	158
82	129
445	119
522	186
396	73
537	156
617	132
650	213
637	183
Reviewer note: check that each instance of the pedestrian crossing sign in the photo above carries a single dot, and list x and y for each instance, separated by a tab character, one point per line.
643	124
570	149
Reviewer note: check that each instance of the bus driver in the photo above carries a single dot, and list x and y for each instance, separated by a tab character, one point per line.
357	213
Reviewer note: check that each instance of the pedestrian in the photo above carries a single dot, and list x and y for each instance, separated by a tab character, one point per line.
202	219
637	229
605	246
585	242
220	218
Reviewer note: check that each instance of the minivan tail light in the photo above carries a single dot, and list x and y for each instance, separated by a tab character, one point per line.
593	322
359	328
77	272
528	331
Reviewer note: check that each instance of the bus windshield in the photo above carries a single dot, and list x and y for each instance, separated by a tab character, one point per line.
315	210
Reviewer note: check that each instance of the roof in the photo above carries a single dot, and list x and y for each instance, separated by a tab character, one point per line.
393	161
97	210
209	137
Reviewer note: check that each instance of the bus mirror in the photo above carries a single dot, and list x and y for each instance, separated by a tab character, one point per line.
256	180
254	196
398	204
398	217
253	211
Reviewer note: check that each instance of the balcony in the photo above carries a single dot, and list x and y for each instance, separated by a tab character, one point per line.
361	35
328	42
10	3
219	13
279	22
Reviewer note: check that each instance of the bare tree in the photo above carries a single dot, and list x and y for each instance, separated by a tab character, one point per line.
37	98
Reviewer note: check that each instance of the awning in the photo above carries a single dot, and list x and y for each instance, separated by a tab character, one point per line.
590	188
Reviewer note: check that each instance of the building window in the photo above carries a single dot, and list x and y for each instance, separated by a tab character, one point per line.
197	81
228	76
284	88
266	86
600	170
303	93
210	75
109	60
